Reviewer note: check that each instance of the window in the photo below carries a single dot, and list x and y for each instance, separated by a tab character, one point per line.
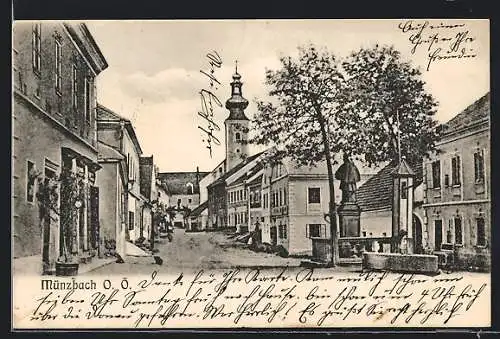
189	201
404	190
238	136
179	202
446	180
314	195
74	86
455	170
58	66
281	198
458	230
436	174
282	232
315	230
481	232
479	166
30	182
130	220
37	46
88	100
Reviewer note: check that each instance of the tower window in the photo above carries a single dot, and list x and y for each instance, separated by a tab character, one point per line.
238	136
404	190
237	151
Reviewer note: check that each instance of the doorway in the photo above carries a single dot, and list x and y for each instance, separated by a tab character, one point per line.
438	234
417	235
46	231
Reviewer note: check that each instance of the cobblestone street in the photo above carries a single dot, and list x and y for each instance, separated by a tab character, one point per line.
191	251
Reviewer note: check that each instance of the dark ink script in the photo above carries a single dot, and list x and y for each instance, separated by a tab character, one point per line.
281	297
209	101
441	42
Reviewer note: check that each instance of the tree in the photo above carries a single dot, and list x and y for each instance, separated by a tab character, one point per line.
307	93
385	96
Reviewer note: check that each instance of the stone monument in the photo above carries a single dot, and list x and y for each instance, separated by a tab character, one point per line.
348	211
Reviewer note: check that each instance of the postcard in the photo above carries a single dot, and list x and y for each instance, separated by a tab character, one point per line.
251	173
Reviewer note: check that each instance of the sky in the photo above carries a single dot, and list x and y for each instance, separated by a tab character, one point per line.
154	74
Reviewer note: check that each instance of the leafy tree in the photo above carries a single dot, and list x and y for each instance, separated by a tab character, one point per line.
385	95
372	105
307	94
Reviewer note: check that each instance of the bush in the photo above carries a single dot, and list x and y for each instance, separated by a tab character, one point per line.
281	251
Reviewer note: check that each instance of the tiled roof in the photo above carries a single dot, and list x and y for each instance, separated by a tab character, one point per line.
200	208
106	152
235	169
479	110
176	182
104	113
376	192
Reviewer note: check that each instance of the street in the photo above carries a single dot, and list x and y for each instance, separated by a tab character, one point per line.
191	251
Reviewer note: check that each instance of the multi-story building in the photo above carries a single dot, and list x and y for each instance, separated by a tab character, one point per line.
219	207
253	185
118	133
295	201
55	66
457	199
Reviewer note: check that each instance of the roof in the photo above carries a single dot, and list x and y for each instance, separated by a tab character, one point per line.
293	168
235	169
176	182
106	152
376	192
105	114
474	113
403	168
83	38
236	104
200	208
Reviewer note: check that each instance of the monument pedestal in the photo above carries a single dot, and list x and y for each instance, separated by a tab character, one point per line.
349	214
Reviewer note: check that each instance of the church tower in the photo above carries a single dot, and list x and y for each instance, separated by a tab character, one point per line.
236	124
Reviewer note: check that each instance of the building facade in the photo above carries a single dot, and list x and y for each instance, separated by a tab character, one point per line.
118	132
149	192
457	200
55	67
113	181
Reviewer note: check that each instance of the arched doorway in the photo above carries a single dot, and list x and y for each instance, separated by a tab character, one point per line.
417	235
